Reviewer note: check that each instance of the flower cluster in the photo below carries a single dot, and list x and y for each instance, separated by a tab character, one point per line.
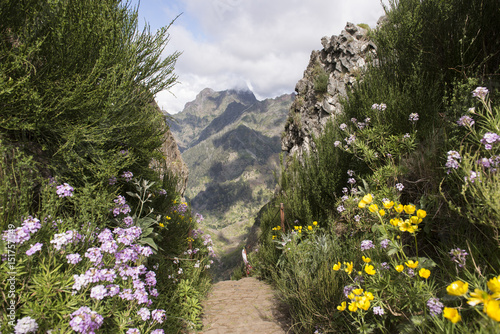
84	320
380	107
23	233
65	190
453	160
62	239
480	92
127	176
489	139
121	206
358	300
25	325
465	121
413	117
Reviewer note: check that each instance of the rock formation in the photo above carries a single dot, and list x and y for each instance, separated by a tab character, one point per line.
330	73
172	160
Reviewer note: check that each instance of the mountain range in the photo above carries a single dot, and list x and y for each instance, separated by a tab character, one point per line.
231	143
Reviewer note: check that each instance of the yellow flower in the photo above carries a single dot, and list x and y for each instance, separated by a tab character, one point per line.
412	264
364	303
452	314
388	204
494	284
342	306
296	227
369	295
161	225
315	223
409	209
415	220
398	208
349	267
400	268
337	266
300	227
357	292
274	237
370	270
396	221
366	259
367	199
478	297
457	288
406	226
373	208
167	218
309	228
421	214
381	212
278	228
492	309
353	306
425	273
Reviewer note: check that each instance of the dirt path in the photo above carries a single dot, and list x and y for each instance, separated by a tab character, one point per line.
244	306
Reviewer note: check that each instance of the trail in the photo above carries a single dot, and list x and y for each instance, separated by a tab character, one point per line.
241	307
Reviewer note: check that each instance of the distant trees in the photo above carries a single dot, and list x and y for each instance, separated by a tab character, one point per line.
77	82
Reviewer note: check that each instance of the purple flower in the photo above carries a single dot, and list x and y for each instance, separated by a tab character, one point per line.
133	331
480	92
458	256
162	192
351	180
367	244
384	243
25	325
400	186
350	172
473	176
413	117
124	152
33	249
452	161
158	331
336	143
343	126
465	121
340	208
385	265
112	180
489	139
64	190
94	255
410	272
158	315
128	220
73	258
109	247
86	321
378	310
357	218
31	225
435	306
113	290
406	136
98	292
127	176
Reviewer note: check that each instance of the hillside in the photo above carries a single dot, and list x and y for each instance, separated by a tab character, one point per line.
231	144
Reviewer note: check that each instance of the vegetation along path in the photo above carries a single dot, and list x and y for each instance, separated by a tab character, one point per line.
244	306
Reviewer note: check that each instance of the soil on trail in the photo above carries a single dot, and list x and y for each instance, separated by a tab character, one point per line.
244	306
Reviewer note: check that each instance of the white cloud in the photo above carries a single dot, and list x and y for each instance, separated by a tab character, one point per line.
263	44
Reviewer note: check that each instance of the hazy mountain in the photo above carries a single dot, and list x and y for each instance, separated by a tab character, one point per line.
231	144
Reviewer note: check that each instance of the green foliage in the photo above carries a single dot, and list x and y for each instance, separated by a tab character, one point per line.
321	79
80	93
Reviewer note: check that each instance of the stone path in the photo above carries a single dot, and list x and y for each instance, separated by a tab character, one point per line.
244	306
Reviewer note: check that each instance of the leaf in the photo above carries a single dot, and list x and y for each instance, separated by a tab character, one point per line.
150	242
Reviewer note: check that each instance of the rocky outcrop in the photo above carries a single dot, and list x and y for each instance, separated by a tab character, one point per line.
172	160
329	75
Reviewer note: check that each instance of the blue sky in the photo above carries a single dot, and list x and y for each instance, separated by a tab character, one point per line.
262	45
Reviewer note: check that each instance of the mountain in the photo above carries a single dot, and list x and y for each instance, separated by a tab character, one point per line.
231	143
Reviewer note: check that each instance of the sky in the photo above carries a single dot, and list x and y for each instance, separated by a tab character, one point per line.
261	45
